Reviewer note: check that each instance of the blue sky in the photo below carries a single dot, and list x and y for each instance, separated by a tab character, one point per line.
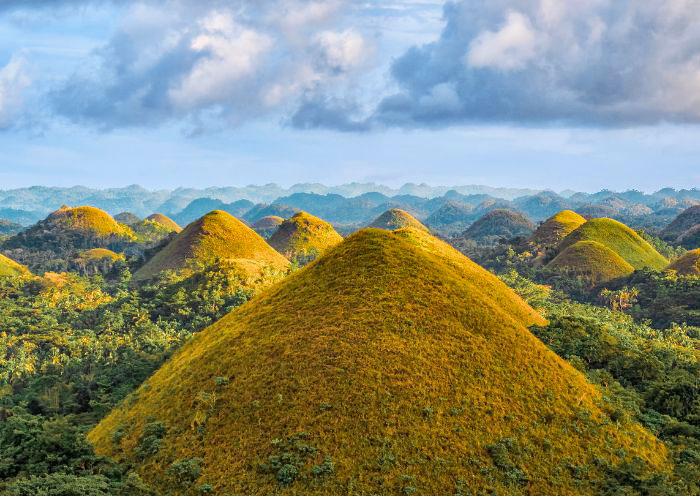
529	93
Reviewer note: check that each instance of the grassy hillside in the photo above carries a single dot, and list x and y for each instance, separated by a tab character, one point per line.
592	260
687	219
267	226
164	221
396	218
10	268
391	365
552	231
620	239
96	254
688	264
500	223
304	236
216	235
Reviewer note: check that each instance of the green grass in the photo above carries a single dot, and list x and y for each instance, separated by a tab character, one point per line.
592	260
10	268
390	365
620	239
553	231
302	235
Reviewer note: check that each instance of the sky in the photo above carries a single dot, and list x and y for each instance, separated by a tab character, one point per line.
518	93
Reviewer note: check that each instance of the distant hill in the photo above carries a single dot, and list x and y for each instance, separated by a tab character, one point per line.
260	211
541	205
620	239
9	228
303	237
217	235
391	363
688	264
690	239
553	231
73	228
592	260
127	218
10	268
397	219
685	221
201	206
499	224
451	217
164	221
267	226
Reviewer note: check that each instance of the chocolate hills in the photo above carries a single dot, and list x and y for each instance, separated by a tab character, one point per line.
620	239
304	236
499	224
451	217
73	228
390	365
10	268
396	218
127	218
217	235
553	231
686	220
591	260
164	221
688	264
259	211
267	226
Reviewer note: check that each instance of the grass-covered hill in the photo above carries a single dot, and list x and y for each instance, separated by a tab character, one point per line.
73	228
690	239
267	226
10	268
260	211
591	260
620	239
164	221
391	365
127	218
499	224
304	236
688	264
217	235
453	216
155	228
553	231
395	218
686	220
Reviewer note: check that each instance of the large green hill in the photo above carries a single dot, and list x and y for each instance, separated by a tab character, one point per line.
391	365
592	260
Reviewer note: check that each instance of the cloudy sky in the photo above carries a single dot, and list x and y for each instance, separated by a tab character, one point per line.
532	93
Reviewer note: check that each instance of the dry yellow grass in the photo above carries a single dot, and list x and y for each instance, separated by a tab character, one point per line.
591	260
552	231
395	360
88	220
165	221
303	235
217	235
396	218
97	254
10	268
688	264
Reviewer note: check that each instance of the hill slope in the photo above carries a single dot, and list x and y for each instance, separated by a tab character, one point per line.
396	218
592	260
216	235
10	268
267	226
553	231
500	223
391	364
686	220
165	221
688	264
303	236
620	239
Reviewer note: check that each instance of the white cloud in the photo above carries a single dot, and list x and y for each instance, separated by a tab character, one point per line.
342	51
13	82
511	47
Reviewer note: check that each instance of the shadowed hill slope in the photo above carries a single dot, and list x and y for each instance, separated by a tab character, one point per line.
10	268
686	220
127	218
621	240
688	264
267	226
553	231
304	235
500	223
396	218
216	235
592	260
391	363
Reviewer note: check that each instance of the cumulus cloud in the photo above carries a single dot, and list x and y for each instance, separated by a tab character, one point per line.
13	83
599	63
213	61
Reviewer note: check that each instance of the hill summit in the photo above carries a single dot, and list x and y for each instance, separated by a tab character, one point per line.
267	226
217	235
553	231
396	218
591	260
304	236
390	364
688	264
500	223
165	221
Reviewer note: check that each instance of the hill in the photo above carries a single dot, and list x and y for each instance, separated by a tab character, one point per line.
216	235
275	210
541	205
621	240
593	261
453	216
10	268
201	206
690	239
73	228
553	231
688	264
164	221
267	226
396	218
391	365
686	220
500	224
303	237
127	218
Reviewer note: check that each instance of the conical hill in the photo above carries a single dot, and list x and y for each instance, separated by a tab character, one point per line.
267	226
10	268
396	218
303	236
591	260
686	220
553	231
501	223
621	240
217	235
688	264
164	221
390	365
